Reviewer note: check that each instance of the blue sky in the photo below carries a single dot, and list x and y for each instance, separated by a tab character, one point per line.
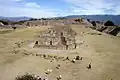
52	8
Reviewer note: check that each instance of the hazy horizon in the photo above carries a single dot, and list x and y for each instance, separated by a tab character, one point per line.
60	16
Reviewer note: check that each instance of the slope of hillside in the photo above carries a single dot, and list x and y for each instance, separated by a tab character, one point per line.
103	18
99	49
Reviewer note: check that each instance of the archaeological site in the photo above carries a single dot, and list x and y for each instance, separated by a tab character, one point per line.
61	37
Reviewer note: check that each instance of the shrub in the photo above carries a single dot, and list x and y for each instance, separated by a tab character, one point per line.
88	20
33	19
93	23
5	22
14	28
26	77
109	23
78	20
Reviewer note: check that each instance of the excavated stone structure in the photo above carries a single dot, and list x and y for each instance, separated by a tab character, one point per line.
62	38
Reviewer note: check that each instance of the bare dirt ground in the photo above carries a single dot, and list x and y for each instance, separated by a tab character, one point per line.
102	51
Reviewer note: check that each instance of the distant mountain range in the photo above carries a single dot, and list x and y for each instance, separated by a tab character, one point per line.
103	18
15	18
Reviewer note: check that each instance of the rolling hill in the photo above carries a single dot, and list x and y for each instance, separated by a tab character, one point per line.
103	18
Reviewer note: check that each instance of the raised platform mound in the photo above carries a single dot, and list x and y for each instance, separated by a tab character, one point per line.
108	28
59	37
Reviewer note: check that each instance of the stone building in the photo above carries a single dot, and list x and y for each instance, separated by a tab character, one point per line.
57	38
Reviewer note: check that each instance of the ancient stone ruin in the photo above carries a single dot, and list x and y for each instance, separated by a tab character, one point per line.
59	37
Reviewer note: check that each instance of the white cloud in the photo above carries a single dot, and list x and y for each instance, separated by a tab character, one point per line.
32	5
93	6
24	11
29	9
9	1
17	0
36	12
